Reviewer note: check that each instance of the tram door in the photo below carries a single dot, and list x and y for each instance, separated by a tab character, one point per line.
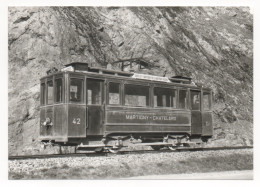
196	117
95	106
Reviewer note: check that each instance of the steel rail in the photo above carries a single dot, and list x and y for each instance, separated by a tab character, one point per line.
94	154
24	157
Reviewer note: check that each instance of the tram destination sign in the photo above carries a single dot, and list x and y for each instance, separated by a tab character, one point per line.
150	77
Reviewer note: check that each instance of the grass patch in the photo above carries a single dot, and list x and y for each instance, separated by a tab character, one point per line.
123	169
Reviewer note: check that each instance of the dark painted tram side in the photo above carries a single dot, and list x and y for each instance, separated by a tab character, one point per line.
90	106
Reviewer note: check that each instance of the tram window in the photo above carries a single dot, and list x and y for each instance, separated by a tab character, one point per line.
195	100
206	101
49	92
136	95
183	99
76	90
94	88
43	94
165	97
114	96
58	90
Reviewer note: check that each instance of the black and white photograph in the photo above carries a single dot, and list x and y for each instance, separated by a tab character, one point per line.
130	92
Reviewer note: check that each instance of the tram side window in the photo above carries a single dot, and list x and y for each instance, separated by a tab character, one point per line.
50	92
206	101
114	96
195	100
136	95
165	97
43	93
76	90
58	90
94	88
183	99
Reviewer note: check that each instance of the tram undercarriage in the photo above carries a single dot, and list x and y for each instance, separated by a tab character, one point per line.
114	143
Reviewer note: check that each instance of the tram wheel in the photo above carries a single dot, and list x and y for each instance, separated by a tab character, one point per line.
172	148
99	150
204	139
114	151
156	147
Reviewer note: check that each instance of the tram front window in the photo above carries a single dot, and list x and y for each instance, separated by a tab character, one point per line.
58	90
49	92
42	93
76	90
136	95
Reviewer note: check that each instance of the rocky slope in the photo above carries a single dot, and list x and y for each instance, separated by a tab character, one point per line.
213	45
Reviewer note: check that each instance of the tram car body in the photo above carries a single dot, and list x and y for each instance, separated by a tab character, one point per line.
94	107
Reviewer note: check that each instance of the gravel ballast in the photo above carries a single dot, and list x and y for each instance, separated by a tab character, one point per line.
116	166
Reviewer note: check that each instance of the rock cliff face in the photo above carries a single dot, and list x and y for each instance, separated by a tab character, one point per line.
212	45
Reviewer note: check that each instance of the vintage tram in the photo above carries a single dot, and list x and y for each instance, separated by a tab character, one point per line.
96	108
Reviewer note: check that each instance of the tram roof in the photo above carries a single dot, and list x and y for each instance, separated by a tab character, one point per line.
76	67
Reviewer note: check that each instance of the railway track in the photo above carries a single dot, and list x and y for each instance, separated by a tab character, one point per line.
94	154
